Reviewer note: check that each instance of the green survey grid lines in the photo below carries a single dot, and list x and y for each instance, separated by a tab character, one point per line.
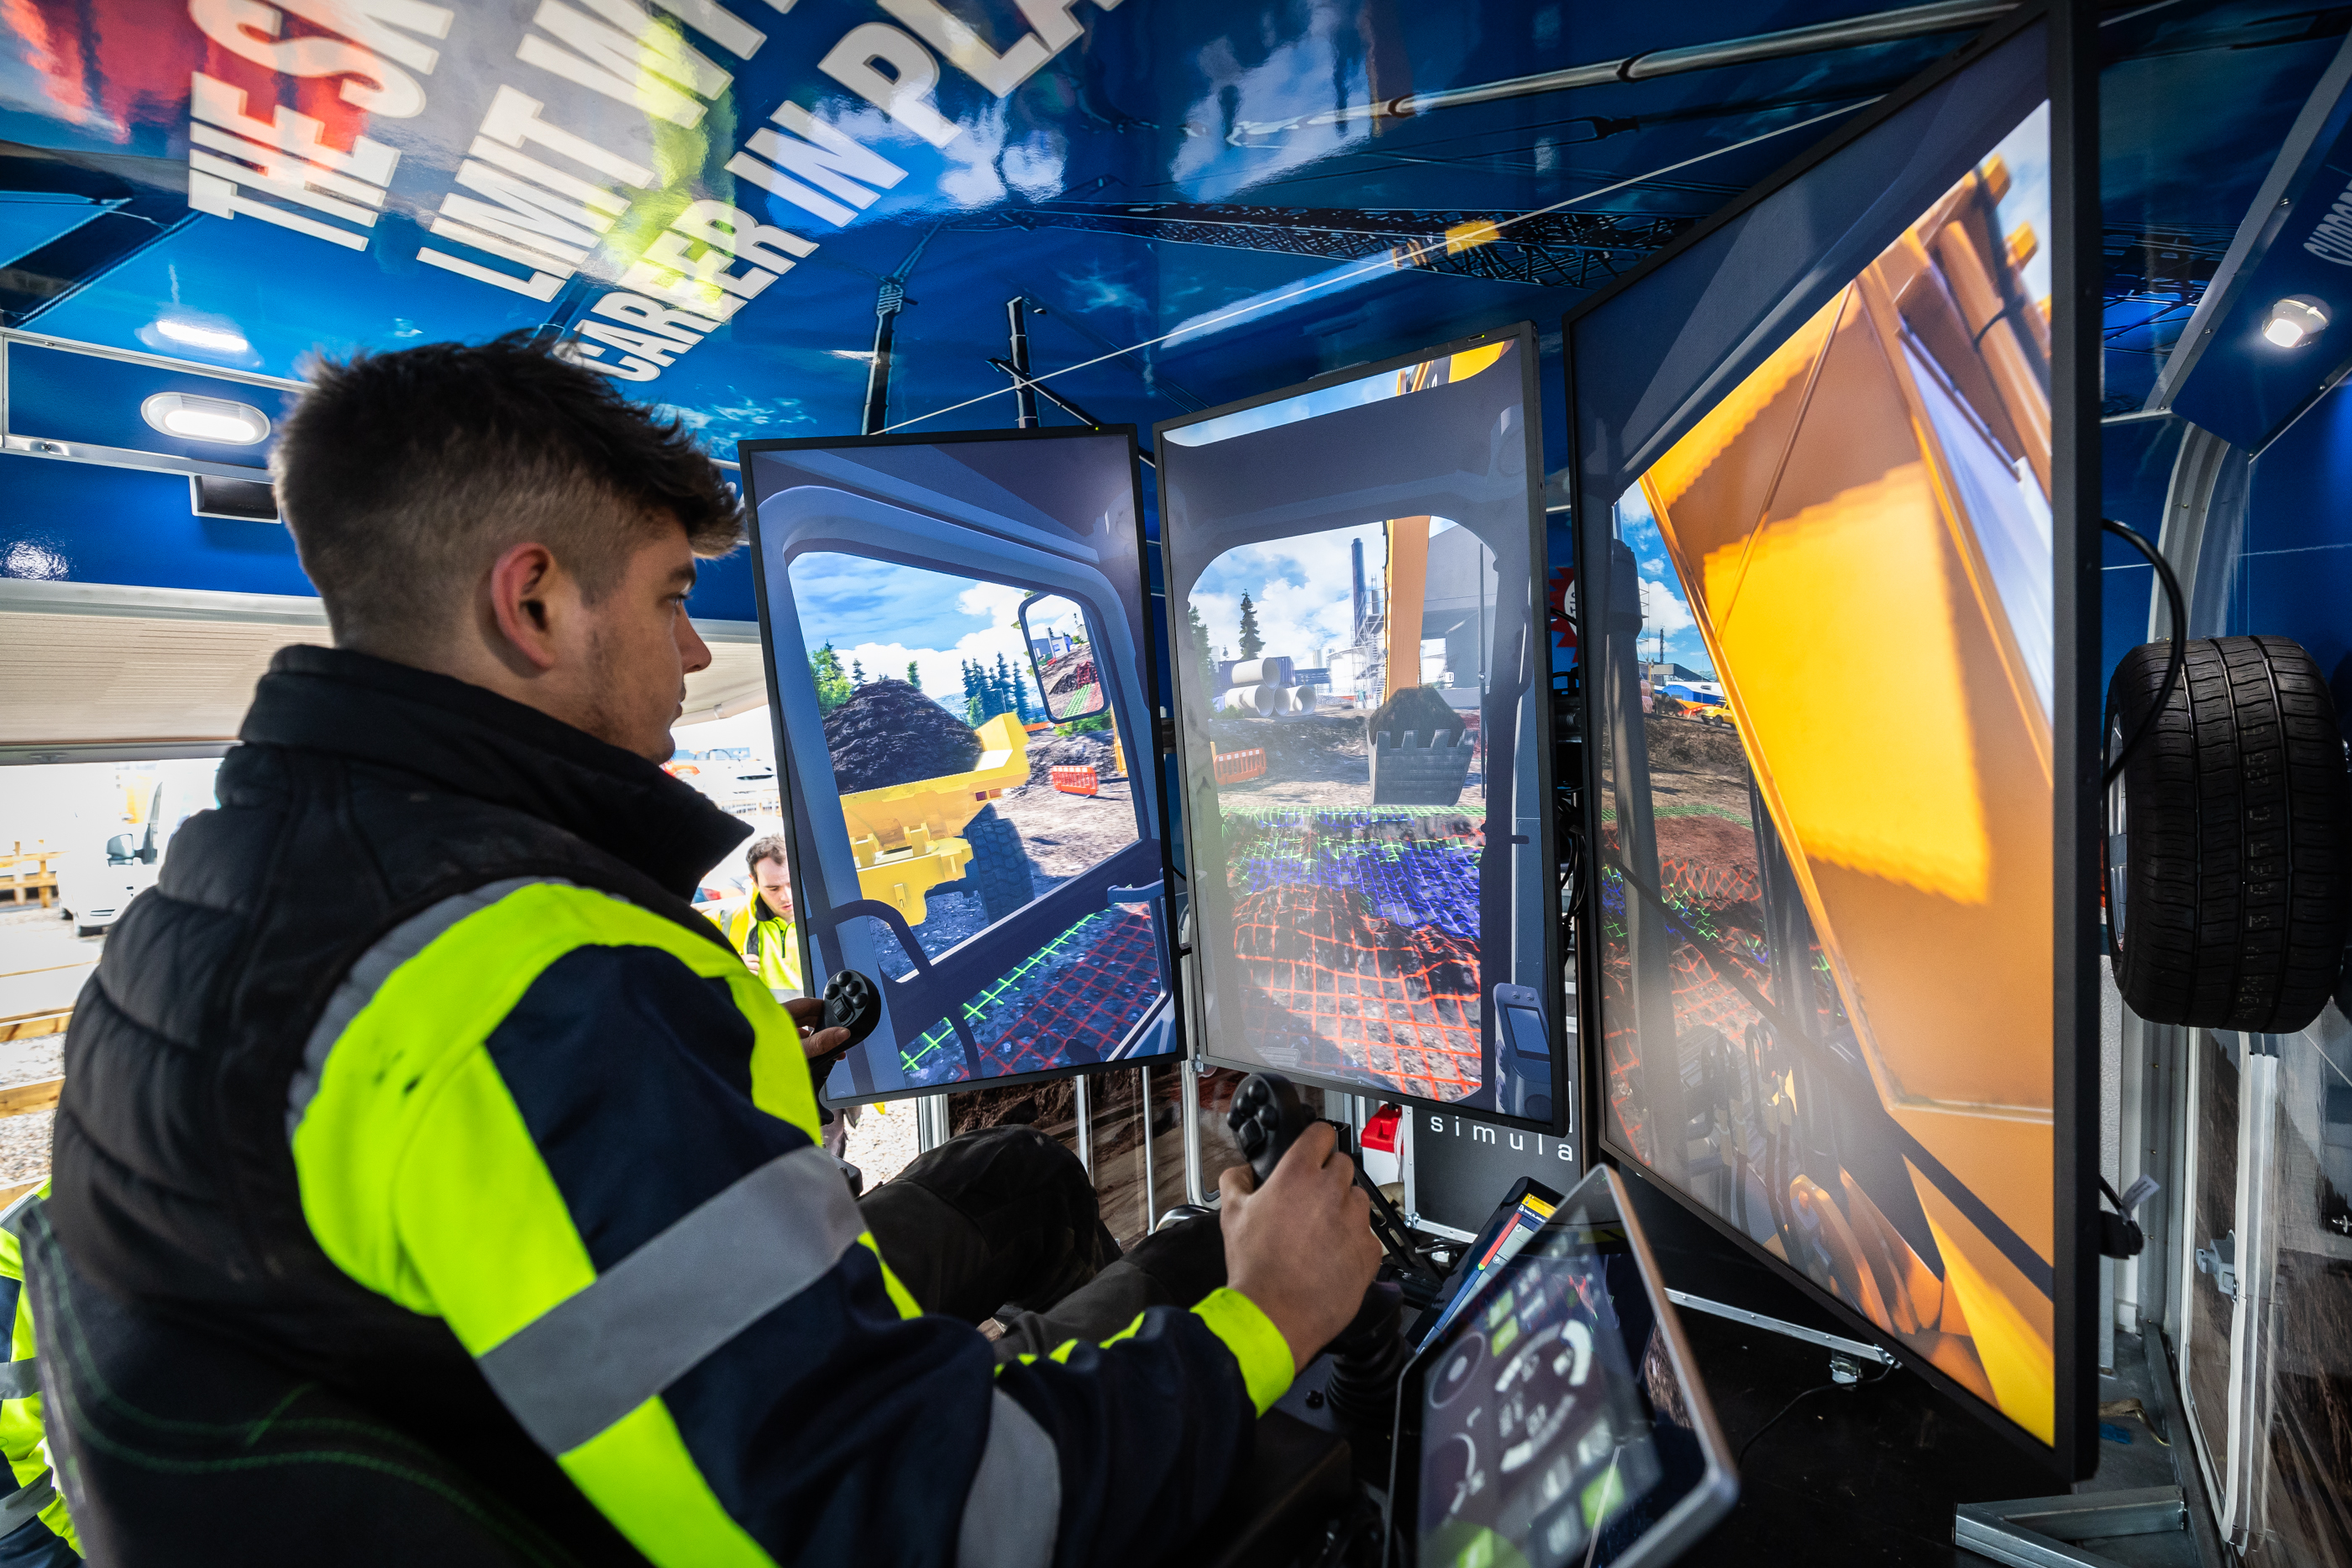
1683	809
936	1036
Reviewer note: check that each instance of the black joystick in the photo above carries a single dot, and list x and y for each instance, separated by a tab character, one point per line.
852	1002
1267	1118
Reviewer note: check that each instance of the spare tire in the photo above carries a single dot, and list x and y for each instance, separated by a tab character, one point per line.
2227	847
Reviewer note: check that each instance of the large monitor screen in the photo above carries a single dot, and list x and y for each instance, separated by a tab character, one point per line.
1554	1419
1821	572
1351	570
957	653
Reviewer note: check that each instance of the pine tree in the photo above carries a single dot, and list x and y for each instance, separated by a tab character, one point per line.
1002	689
1252	645
1021	698
1199	631
914	675
857	673
833	687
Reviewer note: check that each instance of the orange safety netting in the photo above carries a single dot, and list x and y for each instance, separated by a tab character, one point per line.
1240	767
1712	886
1349	993
1076	779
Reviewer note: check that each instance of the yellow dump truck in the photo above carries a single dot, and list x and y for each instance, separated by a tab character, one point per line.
908	838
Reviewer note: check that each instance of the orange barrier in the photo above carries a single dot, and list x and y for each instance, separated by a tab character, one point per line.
1236	767
1077	780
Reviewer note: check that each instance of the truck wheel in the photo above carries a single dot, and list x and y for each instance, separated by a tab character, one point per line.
2228	841
999	869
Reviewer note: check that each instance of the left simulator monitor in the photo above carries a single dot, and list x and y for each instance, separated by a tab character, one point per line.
1351	574
954	630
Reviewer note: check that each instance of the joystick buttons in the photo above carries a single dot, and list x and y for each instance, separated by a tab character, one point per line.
852	1002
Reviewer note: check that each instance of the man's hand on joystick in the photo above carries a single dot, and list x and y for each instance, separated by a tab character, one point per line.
1300	1244
844	1015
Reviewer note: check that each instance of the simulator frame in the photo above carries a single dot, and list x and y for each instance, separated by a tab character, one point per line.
1781	1088
1029	992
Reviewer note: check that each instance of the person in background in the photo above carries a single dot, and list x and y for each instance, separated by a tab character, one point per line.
35	1530
763	930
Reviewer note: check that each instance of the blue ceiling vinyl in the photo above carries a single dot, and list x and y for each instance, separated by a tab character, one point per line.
28	223
2294	569
1197	202
2194	102
86	400
2246	388
70	522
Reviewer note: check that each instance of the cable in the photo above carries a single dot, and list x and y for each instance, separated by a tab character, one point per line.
1742	1457
2177	605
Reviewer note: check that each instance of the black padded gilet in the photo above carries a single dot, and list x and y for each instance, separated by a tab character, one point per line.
364	792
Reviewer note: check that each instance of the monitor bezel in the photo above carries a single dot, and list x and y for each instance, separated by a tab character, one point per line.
2072	77
1700	1509
1142	726
1524	334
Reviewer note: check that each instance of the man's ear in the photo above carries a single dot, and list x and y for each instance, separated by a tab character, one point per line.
520	584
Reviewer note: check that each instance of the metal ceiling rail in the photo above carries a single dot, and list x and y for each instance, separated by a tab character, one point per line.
1880	27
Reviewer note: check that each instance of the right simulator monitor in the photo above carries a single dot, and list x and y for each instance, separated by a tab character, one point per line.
1832	943
1351	571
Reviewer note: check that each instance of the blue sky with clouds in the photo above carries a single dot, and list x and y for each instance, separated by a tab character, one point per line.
1302	589
882	615
1665	605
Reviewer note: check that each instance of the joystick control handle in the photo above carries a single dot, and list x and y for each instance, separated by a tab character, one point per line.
852	1002
1266	1117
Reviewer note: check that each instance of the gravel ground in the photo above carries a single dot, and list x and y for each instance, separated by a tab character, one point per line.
1065	834
882	1141
25	1140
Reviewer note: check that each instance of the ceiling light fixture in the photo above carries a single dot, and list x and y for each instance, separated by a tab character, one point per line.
205	418
219	340
2296	320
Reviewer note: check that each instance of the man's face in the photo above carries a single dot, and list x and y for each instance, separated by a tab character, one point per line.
774	889
643	647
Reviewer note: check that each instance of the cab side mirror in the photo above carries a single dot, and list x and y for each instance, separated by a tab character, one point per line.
120	850
1062	656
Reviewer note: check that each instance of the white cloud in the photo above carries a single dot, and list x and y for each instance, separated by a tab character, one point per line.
1302	589
1034	167
1098	292
941	668
1663	609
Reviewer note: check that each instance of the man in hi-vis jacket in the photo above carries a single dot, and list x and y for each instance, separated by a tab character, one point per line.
417	1081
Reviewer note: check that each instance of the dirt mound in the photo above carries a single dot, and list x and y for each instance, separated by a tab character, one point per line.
889	733
1048	751
1693	744
1419	711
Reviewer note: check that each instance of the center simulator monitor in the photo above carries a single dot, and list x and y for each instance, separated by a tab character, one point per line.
1351	570
1556	1418
1841	969
958	667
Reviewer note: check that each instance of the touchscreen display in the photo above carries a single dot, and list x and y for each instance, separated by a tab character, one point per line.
1826	930
1554	1426
958	647
1498	1243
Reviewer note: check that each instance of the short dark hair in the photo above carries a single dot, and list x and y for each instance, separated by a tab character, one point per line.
769	848
404	476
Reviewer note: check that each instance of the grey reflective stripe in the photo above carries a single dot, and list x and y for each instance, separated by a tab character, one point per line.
15	1212
648	1320
18	1378
1013	1514
20	1506
373	967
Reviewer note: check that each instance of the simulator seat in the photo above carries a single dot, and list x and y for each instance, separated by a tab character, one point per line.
182	1446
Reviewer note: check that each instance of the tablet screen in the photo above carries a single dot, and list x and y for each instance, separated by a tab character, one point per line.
1555	1420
